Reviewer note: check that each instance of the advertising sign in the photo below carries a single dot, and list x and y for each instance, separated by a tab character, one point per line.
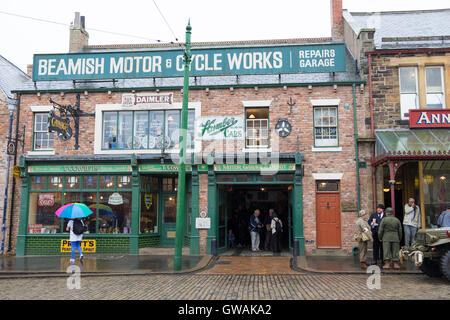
59	125
222	128
429	118
46	200
88	246
203	223
327	57
129	100
34	228
115	199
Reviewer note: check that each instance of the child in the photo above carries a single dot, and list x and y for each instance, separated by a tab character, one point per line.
231	238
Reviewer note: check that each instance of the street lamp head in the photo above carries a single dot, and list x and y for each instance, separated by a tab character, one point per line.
11	105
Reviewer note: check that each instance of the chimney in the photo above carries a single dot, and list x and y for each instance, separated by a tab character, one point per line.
337	21
30	70
79	37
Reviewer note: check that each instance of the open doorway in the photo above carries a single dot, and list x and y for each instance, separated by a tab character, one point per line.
236	204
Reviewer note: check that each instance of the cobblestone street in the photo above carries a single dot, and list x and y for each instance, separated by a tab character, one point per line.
228	287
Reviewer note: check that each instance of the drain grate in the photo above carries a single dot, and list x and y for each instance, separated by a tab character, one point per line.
223	262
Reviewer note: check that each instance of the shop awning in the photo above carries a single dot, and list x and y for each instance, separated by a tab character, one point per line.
409	144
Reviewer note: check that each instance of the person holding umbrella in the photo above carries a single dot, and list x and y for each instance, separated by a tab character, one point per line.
74	212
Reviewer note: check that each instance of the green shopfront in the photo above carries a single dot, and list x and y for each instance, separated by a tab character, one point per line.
134	201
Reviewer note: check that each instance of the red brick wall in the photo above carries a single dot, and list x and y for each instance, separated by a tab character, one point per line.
223	102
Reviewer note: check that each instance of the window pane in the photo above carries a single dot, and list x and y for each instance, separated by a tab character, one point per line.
149	213
38	183
110	130
124	182
41	213
172	129
90	182
156	129
408	80
435	101
55	182
140	130
125	126
107	182
434	79
170	209
90	199
72	182
190	136
407	101
327	186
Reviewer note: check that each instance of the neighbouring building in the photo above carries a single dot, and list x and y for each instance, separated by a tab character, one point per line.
272	124
11	77
405	59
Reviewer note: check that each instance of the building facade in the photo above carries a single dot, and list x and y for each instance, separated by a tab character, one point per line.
405	59
11	77
272	124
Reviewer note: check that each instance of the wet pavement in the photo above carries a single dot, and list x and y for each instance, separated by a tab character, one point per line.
347	264
98	264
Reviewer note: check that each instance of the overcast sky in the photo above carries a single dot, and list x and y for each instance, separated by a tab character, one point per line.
211	20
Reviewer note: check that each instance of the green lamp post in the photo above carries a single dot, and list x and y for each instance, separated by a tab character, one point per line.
182	166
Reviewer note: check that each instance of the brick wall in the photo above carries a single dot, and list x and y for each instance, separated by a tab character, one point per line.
221	102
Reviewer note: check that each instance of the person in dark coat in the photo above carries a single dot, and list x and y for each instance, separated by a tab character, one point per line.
374	223
390	232
268	223
276	234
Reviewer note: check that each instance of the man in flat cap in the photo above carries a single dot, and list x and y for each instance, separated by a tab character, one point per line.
374	222
390	233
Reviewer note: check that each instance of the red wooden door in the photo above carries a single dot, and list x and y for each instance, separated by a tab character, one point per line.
328	219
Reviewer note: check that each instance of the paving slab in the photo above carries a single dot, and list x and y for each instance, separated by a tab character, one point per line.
101	264
348	264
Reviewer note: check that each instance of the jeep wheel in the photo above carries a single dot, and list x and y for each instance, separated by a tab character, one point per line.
445	265
431	268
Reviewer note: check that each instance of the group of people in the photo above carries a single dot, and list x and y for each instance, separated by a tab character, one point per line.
386	231
270	226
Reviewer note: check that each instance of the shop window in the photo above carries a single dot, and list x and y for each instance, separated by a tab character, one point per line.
43	140
149	213
111	208
436	178
140	130
156	136
257	127
409	97
114	212
435	87
325	127
170	184
41	213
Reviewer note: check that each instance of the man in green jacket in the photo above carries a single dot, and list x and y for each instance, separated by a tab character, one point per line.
390	233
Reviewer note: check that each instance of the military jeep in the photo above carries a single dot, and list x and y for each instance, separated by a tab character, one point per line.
430	252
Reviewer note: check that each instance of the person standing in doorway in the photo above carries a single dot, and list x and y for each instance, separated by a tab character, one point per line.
255	227
444	218
76	236
390	232
268	224
277	230
374	222
411	221
363	236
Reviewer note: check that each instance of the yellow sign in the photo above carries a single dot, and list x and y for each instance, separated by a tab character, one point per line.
171	234
16	172
88	246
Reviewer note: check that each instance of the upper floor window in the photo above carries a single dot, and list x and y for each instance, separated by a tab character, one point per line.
325	127
257	127
154	130
42	139
435	87
409	97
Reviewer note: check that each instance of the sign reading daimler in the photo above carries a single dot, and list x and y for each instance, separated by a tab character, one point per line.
429	118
